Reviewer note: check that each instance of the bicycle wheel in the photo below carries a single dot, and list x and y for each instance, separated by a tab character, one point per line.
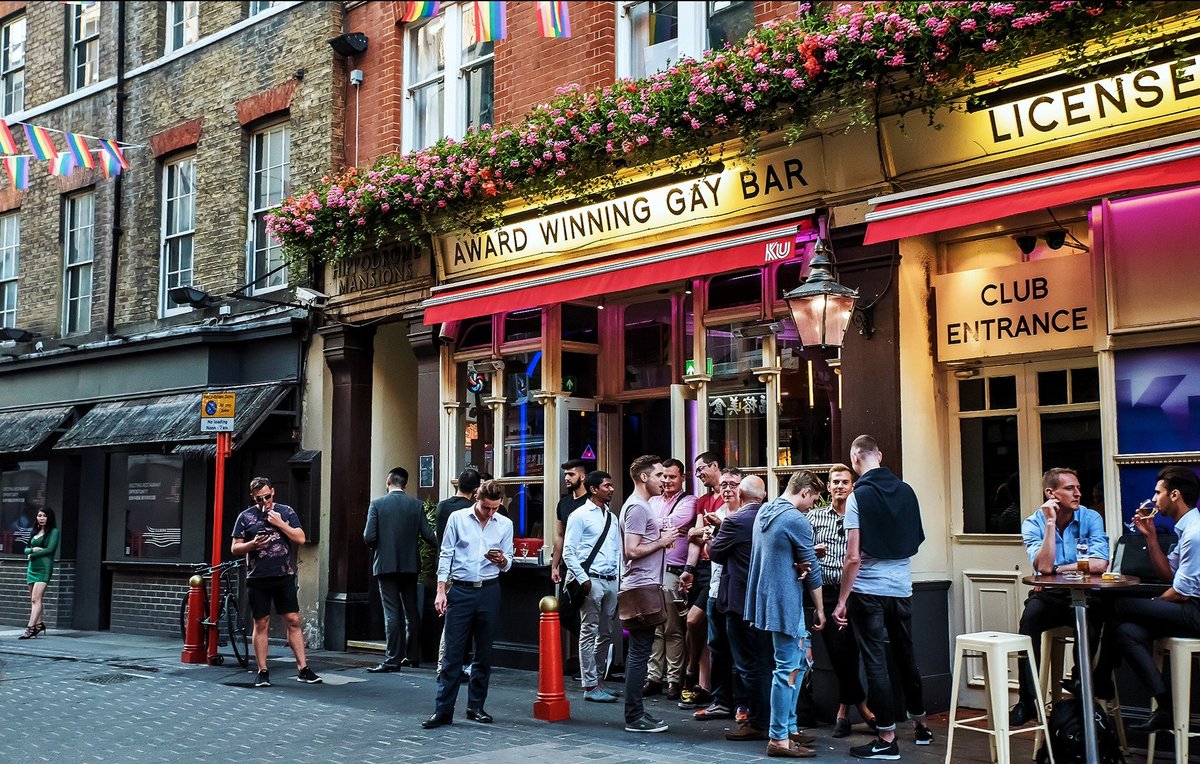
183	616
235	629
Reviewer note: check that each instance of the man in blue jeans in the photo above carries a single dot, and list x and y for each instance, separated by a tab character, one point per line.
883	531
782	544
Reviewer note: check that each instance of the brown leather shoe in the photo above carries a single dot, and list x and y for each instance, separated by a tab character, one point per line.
792	751
651	687
746	732
799	738
673	690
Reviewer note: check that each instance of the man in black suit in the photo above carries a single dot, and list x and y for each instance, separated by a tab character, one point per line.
395	522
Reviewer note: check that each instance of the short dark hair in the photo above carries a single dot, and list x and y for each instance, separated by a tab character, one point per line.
1052	477
710	457
865	444
673	462
572	464
594	479
468	480
259	483
642	464
735	471
1177	478
398	476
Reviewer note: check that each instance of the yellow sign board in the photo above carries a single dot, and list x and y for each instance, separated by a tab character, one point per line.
217	412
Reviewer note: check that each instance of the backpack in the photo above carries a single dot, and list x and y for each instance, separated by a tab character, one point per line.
1066	735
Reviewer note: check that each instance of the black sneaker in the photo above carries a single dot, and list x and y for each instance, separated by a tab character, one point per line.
924	735
263	679
307	676
646	725
877	749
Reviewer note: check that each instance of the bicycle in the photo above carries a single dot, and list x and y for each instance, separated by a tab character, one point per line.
230	612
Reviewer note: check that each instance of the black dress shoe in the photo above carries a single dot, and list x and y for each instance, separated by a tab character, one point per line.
1021	713
383	668
438	720
1162	720
479	715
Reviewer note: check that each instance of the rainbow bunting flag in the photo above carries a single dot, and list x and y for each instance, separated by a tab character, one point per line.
39	141
18	171
79	148
553	19
113	151
491	21
7	144
62	164
414	11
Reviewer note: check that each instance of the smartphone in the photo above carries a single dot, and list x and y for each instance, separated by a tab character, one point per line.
494	550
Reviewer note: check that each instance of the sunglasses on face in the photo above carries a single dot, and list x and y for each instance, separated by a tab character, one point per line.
263	498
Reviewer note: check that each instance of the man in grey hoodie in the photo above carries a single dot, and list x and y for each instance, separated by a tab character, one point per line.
783	543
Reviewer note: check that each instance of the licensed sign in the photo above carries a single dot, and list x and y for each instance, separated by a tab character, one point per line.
217	411
1025	308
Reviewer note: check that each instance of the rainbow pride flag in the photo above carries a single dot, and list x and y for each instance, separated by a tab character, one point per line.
79	148
18	171
62	164
553	18
491	21
414	11
39	141
7	144
113	152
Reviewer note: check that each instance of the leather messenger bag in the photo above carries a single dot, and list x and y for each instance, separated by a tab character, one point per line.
642	607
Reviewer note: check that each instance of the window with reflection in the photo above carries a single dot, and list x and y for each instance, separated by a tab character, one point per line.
524	420
809	402
737	400
154	506
731	290
475	333
580	323
22	495
579	374
648	345
729	21
524	504
523	325
475	439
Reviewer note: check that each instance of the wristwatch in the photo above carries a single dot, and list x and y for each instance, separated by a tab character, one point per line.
1054	570
689	568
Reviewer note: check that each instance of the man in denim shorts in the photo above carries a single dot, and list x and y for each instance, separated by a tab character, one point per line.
268	534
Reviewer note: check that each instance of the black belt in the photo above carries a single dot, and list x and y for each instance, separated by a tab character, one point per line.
476	584
675	569
603	577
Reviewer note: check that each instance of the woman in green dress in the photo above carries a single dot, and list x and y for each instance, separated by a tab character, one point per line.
40	552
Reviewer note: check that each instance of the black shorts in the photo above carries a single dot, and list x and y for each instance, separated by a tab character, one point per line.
280	590
698	594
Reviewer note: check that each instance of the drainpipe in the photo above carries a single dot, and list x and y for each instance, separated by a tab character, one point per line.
118	182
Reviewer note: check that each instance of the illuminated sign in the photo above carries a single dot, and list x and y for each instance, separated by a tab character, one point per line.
771	180
1026	308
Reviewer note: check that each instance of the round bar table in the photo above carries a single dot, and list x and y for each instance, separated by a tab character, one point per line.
1079	587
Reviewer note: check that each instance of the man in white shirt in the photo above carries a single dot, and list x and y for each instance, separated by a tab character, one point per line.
592	532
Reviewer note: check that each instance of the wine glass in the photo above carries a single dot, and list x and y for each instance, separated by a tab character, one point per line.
1146	509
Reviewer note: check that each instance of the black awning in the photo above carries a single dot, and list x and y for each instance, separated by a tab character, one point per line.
170	419
23	431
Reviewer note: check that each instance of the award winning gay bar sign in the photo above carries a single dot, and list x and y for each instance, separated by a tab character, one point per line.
1026	308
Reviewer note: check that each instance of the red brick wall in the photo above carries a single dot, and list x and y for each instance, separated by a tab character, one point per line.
381	95
769	11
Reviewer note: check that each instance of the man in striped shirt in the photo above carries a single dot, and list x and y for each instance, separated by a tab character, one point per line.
829	533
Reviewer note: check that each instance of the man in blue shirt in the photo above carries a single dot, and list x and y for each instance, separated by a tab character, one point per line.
1052	535
1174	613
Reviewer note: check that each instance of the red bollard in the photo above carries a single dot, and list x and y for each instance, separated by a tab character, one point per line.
552	704
193	641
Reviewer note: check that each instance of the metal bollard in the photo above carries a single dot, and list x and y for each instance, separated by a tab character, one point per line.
193	642
552	704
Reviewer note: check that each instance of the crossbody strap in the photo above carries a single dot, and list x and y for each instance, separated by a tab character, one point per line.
587	564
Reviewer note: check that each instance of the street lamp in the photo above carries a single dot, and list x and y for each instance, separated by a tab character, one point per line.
821	307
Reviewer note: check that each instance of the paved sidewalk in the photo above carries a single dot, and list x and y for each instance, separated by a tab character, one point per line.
71	696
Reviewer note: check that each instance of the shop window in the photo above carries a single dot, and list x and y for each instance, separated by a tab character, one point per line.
476	333
523	325
580	323
154	507
476	443
648	345
1062	386
524	420
732	290
809	405
737	400
790	275
22	494
524	504
579	374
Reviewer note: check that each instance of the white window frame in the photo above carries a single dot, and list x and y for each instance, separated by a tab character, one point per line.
273	249
77	269
692	40
183	24
172	270
260	6
454	78
85	49
10	267
12	76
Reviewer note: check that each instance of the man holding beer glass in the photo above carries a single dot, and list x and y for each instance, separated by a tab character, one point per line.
1060	536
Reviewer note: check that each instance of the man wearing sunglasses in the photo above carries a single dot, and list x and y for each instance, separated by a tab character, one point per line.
268	534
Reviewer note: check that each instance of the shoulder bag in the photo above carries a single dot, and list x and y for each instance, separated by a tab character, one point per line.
570	600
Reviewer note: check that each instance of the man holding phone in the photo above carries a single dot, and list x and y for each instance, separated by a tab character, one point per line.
268	534
476	549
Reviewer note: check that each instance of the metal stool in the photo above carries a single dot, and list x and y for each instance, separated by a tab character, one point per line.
1182	651
1053	669
995	648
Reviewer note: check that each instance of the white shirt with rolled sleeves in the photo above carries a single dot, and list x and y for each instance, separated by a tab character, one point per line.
466	543
584	526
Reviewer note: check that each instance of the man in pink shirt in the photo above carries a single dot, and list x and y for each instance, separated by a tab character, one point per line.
666	658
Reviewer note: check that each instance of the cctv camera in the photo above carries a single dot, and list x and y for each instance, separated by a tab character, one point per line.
1055	239
311	297
1026	243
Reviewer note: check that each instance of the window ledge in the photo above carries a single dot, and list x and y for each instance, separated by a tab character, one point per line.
989	539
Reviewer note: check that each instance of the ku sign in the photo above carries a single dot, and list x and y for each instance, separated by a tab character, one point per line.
217	412
1026	308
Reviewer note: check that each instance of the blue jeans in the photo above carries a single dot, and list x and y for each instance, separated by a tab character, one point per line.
789	656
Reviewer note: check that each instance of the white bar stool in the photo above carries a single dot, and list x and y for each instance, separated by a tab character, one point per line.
994	647
1183	652
1053	668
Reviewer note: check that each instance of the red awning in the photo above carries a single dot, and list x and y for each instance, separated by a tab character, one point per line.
676	263
991	200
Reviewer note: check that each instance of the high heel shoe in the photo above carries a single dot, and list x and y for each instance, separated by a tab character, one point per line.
40	629
30	632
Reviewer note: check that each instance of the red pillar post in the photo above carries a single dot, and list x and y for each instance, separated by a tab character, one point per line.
214	603
193	640
552	704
